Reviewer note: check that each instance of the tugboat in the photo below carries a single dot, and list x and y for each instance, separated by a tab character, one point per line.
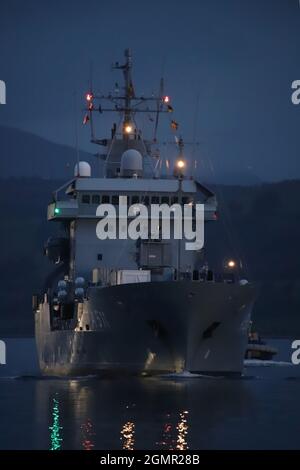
259	349
123	305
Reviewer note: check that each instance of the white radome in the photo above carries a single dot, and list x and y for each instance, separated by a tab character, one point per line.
82	169
131	162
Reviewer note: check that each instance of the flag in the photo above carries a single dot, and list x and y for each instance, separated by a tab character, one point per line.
86	119
174	125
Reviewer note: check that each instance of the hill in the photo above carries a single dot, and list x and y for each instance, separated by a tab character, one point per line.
23	154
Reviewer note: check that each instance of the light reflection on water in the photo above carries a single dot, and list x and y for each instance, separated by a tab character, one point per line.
257	412
55	429
140	413
182	429
127	435
87	435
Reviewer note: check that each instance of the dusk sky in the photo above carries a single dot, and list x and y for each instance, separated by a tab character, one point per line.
237	58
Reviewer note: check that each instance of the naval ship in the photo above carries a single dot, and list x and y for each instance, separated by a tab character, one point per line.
137	306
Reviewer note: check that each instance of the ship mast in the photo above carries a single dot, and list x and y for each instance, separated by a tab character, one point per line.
128	104
129	92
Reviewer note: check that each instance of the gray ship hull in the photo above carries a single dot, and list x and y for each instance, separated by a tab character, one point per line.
153	328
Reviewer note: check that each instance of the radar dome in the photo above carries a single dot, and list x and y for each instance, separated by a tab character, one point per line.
82	169
131	163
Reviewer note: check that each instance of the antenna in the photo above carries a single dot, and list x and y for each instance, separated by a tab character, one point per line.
159	107
90	105
76	129
91	75
195	131
127	103
128	87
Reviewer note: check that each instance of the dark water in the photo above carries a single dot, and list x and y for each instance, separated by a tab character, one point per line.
259	411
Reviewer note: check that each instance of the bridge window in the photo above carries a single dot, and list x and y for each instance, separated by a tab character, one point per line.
135	199
165	200
105	199
95	199
155	200
187	200
145	200
85	199
115	200
174	200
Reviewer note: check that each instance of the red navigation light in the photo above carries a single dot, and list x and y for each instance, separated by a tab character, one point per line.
166	99
89	96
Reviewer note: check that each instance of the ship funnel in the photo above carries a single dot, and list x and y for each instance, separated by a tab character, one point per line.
131	164
82	169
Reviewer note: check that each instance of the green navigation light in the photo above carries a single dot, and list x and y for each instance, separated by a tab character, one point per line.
56	210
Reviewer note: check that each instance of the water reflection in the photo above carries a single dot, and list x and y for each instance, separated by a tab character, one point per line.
127	435
182	428
139	414
87	433
55	435
167	442
174	436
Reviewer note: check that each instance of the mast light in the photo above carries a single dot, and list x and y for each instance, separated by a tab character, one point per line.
89	97
231	264
180	164
128	128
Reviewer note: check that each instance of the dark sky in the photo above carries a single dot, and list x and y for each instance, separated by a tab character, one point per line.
238	57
